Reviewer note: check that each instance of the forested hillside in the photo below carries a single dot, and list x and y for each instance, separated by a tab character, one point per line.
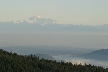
12	62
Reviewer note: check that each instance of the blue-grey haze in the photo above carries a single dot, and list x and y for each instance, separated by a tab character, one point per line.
38	31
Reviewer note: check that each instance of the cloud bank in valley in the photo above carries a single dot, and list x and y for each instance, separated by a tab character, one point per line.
77	60
87	61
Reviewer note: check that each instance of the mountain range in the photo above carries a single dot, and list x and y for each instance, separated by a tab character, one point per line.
37	23
37	20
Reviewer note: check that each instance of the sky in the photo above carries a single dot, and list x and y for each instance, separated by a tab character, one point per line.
86	12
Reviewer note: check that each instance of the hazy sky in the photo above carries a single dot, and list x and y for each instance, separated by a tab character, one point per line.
92	12
80	40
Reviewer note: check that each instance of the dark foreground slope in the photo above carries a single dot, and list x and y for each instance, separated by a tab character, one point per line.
12	62
45	56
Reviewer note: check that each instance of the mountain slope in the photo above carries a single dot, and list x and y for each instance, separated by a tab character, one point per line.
98	55
45	56
12	62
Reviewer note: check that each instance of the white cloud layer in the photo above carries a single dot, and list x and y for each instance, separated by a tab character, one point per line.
76	60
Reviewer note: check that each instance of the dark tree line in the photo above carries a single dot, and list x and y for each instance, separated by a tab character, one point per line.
12	62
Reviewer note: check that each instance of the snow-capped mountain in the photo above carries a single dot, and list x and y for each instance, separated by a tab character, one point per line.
38	20
37	23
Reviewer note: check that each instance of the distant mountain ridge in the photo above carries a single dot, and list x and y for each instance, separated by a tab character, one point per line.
98	55
37	23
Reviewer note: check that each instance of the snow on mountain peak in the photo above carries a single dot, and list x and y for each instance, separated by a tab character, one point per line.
38	20
34	17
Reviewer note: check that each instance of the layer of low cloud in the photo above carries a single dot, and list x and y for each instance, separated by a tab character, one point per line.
76	60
